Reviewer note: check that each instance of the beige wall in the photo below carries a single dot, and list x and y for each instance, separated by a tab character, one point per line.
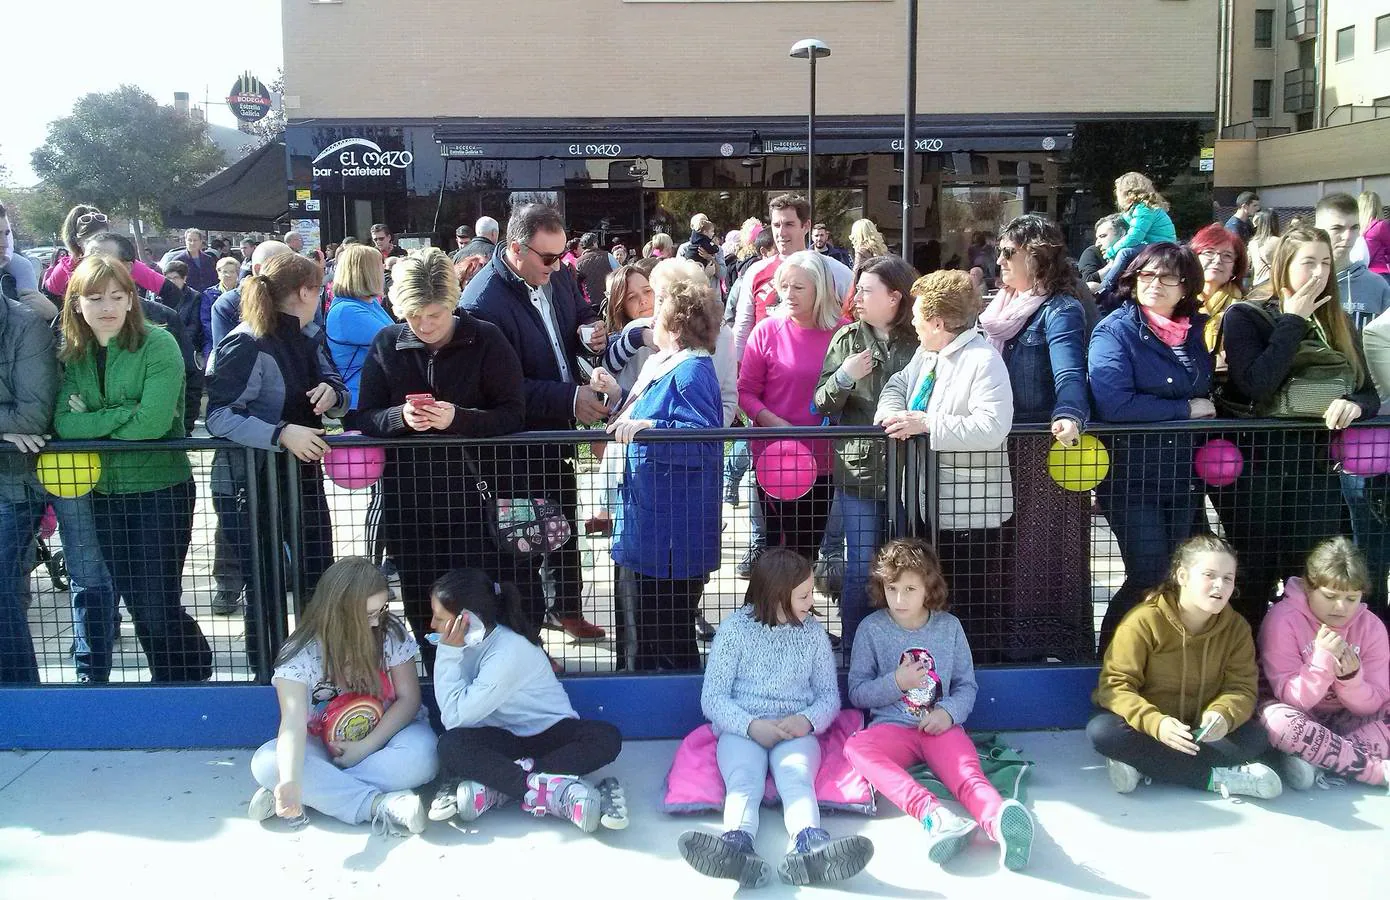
1325	154
426	58
1366	76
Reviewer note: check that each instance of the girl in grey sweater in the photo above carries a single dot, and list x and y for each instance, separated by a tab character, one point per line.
769	689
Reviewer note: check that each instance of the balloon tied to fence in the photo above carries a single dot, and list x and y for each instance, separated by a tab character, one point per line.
1078	468
68	474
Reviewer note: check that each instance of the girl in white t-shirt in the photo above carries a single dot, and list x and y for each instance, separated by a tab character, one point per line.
347	653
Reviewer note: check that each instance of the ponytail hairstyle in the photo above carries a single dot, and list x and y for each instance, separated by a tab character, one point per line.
424	277
1183	557
74	235
280	278
494	604
1337	565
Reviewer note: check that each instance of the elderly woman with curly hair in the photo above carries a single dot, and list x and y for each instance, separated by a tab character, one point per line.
956	392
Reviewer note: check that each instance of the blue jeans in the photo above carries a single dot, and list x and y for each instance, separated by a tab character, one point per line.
1372	536
19	524
862	522
93	594
736	465
1118	266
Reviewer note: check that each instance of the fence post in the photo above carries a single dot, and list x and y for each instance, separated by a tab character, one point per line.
275	552
258	592
292	496
932	514
893	509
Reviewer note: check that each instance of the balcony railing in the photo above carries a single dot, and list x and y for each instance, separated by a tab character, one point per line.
1249	131
1348	114
1300	90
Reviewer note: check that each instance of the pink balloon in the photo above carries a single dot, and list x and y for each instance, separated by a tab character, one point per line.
1363	451
354	467
1218	462
786	470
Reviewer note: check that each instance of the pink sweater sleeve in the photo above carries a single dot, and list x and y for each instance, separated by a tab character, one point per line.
1298	684
146	277
56	281
752	373
1367	691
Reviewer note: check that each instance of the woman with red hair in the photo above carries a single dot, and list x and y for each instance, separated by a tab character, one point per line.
1224	264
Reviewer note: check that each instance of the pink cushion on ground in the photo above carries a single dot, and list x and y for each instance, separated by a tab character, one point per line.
694	783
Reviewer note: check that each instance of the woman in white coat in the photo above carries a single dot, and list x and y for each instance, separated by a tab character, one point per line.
956	391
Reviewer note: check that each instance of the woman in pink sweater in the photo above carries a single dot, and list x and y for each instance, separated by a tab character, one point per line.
1326	666
81	225
777	384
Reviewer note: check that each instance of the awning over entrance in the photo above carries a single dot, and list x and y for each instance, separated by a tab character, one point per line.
740	137
248	195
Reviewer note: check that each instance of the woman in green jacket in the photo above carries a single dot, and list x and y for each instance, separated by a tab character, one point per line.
862	357
123	380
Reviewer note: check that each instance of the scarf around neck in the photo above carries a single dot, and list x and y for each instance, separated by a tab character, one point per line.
1172	332
1007	313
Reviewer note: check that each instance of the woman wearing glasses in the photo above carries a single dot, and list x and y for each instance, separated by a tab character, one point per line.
1224	264
1149	363
81	225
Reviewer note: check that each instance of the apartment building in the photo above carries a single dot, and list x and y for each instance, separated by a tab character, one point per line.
1305	98
631	114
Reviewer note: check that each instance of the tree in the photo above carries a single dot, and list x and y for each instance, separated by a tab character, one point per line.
125	153
1103	151
273	125
36	213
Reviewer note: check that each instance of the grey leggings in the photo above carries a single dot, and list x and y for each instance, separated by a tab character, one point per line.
744	764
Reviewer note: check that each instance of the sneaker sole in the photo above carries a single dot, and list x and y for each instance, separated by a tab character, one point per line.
1015	836
262	805
439	813
617	819
589	809
946	849
840	859
711	855
1121	780
468	811
1298	777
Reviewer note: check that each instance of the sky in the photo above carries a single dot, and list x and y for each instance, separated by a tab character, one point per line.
161	46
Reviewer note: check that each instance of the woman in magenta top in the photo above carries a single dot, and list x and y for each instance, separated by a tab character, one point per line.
81	224
776	387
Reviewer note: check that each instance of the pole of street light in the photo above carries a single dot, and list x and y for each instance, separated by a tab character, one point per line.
910	130
810	49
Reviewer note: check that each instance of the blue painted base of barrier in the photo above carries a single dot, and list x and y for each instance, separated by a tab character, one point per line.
643	707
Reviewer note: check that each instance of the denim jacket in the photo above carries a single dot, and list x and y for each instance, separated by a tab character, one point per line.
1047	364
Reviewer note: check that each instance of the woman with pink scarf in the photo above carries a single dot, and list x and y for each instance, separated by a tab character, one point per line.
1040	328
1149	363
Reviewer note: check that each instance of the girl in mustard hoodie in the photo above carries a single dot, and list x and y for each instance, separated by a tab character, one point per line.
1326	665
1178	685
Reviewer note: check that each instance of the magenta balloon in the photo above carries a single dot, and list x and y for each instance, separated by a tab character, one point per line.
1218	462
1363	451
786	470
354	467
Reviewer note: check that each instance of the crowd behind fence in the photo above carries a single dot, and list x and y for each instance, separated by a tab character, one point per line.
1043	553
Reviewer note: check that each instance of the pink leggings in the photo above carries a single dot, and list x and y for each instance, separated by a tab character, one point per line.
882	753
1343	743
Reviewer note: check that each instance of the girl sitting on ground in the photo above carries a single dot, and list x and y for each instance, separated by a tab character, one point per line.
512	733
770	688
911	668
1178	685
347	645
1326	662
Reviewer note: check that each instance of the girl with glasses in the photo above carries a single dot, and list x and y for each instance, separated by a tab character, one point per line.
81	224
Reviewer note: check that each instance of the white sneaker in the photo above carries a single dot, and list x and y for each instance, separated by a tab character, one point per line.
445	804
262	805
947	834
473	799
1123	776
1251	780
397	810
1297	772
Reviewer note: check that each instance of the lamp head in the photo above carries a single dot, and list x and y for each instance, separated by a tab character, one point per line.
809	48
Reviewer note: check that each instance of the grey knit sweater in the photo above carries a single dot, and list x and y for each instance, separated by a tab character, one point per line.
879	646
761	672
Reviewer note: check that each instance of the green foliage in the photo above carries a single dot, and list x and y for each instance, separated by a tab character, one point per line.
125	153
273	125
1103	151
36	213
728	209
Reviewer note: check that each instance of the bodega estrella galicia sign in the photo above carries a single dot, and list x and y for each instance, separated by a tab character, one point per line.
249	100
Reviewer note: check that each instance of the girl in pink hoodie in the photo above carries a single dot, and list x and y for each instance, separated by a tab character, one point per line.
1326	665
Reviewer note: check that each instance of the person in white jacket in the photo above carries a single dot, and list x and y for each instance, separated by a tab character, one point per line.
511	731
956	391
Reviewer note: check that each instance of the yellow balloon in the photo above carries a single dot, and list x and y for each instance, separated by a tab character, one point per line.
69	474
1079	468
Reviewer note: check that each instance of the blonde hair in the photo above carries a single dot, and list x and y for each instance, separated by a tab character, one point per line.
1135	187
670	271
1336	564
92	276
663	243
948	295
228	262
747	234
359	273
699	222
423	278
1330	315
353	652
865	238
263	293
827	307
1369	209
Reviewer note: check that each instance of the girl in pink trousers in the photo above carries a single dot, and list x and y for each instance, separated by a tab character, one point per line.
1326	666
911	668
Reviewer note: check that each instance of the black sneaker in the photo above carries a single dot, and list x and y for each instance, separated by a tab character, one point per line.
729	855
612	804
744	569
226	603
732	497
704	631
819	859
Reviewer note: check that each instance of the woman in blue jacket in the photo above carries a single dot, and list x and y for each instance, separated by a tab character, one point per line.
1040	328
669	531
1149	363
356	315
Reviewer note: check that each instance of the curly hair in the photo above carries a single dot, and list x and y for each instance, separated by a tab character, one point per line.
949	295
1135	187
424	277
1043	241
689	311
865	238
903	556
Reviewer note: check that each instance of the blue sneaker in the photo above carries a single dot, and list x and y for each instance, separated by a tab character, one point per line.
729	855
818	859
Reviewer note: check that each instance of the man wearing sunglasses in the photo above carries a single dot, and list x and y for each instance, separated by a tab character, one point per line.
537	304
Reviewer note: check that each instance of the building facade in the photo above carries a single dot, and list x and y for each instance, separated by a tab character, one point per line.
632	115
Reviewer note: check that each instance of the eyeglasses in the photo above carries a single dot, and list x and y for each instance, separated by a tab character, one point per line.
1007	253
380	238
547	259
90	218
1224	255
1164	278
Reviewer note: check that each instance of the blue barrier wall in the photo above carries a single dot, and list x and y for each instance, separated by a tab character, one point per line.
643	707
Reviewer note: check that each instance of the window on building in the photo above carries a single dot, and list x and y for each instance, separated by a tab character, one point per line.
895	193
1346	43
1383	33
1264	29
1260	101
1307	57
1305	122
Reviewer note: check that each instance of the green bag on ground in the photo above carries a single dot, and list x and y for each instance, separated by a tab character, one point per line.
1002	765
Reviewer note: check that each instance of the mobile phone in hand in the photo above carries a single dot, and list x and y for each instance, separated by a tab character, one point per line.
1202	732
420	401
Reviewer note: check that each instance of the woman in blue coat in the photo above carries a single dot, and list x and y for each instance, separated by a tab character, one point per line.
1149	363
668	535
356	316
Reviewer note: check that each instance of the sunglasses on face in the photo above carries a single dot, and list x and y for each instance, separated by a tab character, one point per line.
1007	253
90	218
1164	278
547	259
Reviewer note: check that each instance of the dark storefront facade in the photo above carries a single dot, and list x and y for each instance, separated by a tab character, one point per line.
628	178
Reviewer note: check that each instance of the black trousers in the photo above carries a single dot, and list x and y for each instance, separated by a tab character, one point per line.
665	623
1114	739
489	755
798	524
978	565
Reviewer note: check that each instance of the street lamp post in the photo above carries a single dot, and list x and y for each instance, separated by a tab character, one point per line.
811	49
910	131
